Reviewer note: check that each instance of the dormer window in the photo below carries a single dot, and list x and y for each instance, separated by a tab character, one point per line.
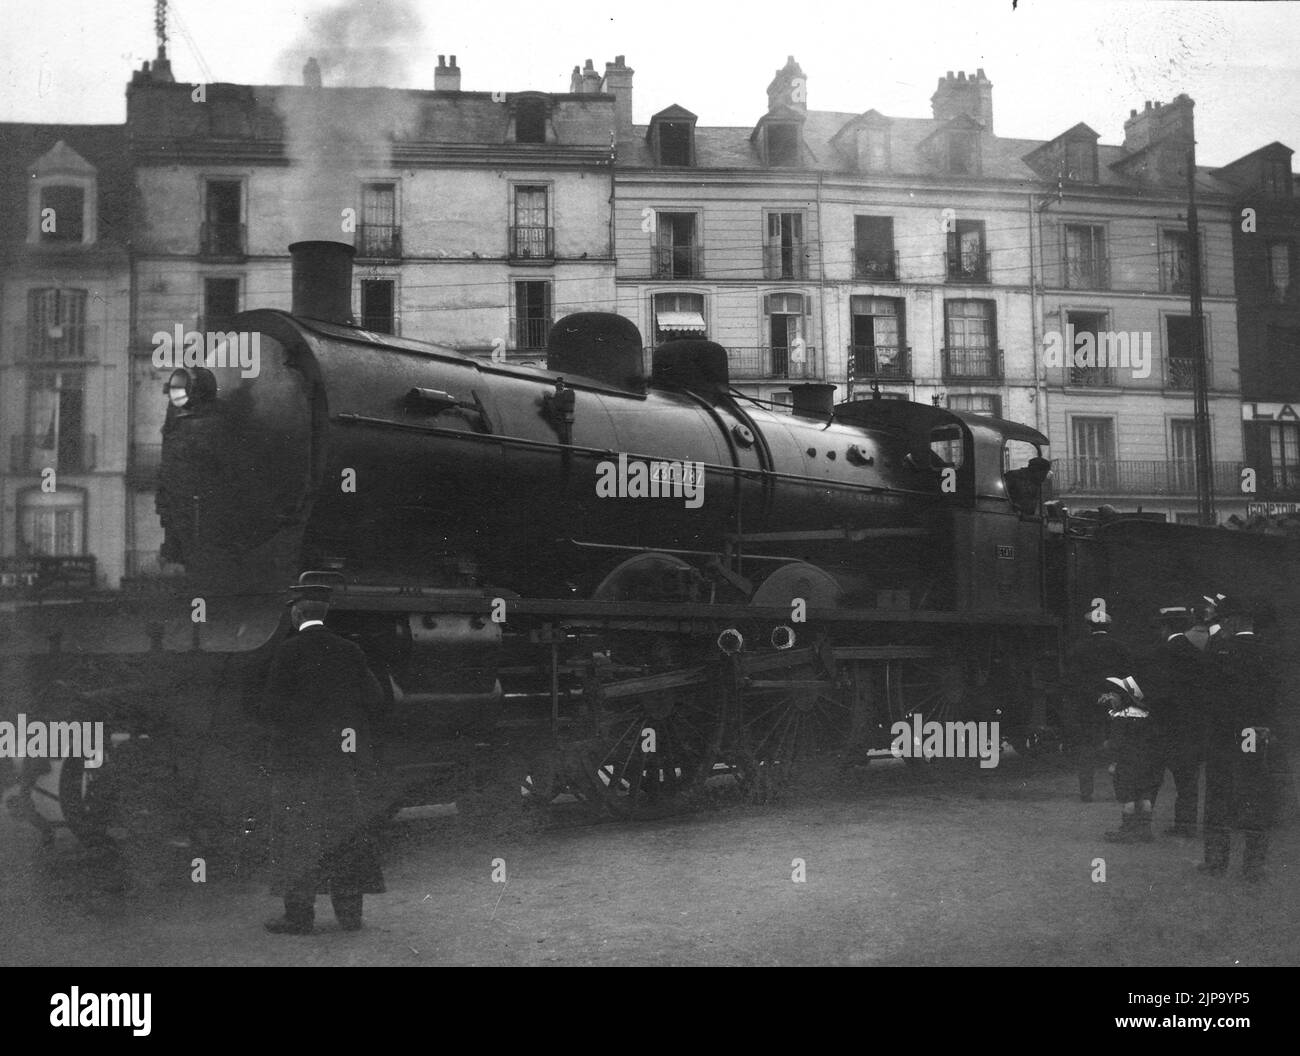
963	154
1275	177
63	213
530	121
1081	161
675	143
873	149
782	144
61	199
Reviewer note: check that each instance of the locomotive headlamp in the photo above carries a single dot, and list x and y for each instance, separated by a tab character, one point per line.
185	388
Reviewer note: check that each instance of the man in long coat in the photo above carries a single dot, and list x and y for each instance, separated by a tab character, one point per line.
319	699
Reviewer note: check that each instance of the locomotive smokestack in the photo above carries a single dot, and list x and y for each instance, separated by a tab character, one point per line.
322	281
813	399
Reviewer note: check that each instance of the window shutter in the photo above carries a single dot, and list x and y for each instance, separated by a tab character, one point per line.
807	305
767	304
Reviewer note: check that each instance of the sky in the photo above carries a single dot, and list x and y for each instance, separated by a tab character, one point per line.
1053	63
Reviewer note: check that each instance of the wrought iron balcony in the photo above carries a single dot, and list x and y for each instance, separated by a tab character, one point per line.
869	266
1086	274
970	267
767	362
1157	477
530	334
532	243
879	361
63	452
976	364
785	260
379	242
678	262
1090	377
222	240
1180	374
143	466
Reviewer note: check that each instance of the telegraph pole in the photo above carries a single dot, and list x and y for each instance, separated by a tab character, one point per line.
1200	383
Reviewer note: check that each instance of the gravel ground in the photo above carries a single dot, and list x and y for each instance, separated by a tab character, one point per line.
903	866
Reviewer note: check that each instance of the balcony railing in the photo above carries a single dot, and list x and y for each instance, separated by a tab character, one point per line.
970	267
1180	374
60	343
879	361
869	266
222	240
143	466
678	262
1090	377
1176	273
775	363
379	242
1086	274
1097	476
532	243
785	260
530	333
64	453
980	364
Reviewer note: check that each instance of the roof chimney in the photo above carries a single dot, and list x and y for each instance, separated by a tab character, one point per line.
311	73
1157	122
788	88
590	79
446	78
972	96
618	83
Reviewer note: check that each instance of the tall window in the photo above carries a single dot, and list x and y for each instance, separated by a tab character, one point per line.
377	306
678	315
55	436
1088	326
222	233
1182	454
1284	454
379	235
676	255
52	524
532	314
56	324
784	248
220	303
1175	261
877	331
1279	270
1085	257
788	354
970	349
873	248
1180	366
530	238
967	258
66	223
1092	454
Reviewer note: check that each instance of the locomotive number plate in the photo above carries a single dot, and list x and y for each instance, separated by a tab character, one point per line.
1007	553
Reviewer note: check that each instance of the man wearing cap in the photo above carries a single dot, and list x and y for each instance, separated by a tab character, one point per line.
1181	680
1238	789
1138	763
1087	667
319	698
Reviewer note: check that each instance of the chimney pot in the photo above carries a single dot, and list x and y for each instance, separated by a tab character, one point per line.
311	73
442	60
453	60
950	75
620	60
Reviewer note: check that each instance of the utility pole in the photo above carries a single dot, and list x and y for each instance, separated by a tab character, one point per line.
1200	383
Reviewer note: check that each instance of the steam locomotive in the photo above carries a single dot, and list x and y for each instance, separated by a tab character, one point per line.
675	583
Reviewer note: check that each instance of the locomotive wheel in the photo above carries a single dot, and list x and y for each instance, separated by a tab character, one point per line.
786	732
931	689
652	753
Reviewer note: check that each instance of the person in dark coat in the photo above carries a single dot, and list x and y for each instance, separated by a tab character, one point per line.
1181	683
319	699
1238	786
1139	761
1088	666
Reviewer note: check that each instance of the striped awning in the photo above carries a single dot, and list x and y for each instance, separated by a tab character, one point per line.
685	322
